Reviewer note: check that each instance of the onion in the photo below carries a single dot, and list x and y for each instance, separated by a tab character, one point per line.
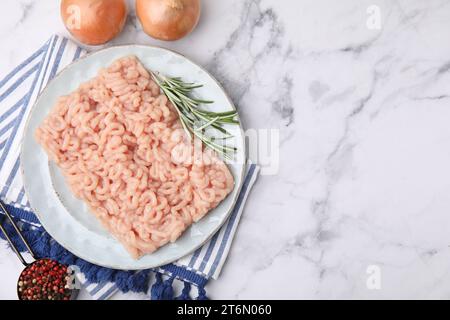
168	19
94	22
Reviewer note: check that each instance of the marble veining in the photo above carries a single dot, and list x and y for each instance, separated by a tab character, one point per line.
362	113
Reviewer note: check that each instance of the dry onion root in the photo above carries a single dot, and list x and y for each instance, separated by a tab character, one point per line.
168	19
94	22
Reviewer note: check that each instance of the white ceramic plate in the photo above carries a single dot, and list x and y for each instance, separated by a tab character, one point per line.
66	218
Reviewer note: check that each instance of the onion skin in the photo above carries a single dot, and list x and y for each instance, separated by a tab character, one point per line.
168	19
100	20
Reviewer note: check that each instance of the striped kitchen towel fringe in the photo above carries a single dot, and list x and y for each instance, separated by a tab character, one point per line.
18	92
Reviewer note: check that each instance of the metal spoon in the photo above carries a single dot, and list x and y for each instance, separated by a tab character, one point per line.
28	266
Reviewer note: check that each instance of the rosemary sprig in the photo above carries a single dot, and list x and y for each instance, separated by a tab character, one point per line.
194	120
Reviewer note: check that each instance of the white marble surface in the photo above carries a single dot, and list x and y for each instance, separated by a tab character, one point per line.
364	126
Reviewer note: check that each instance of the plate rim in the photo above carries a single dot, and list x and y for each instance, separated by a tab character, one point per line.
225	216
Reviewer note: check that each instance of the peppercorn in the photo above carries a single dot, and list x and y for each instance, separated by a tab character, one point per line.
44	279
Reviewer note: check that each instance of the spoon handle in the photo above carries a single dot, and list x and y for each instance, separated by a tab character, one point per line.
16	228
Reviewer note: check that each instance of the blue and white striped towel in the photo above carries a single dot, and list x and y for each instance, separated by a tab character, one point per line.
18	92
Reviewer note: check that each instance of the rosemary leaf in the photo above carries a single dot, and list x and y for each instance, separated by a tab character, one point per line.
193	119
